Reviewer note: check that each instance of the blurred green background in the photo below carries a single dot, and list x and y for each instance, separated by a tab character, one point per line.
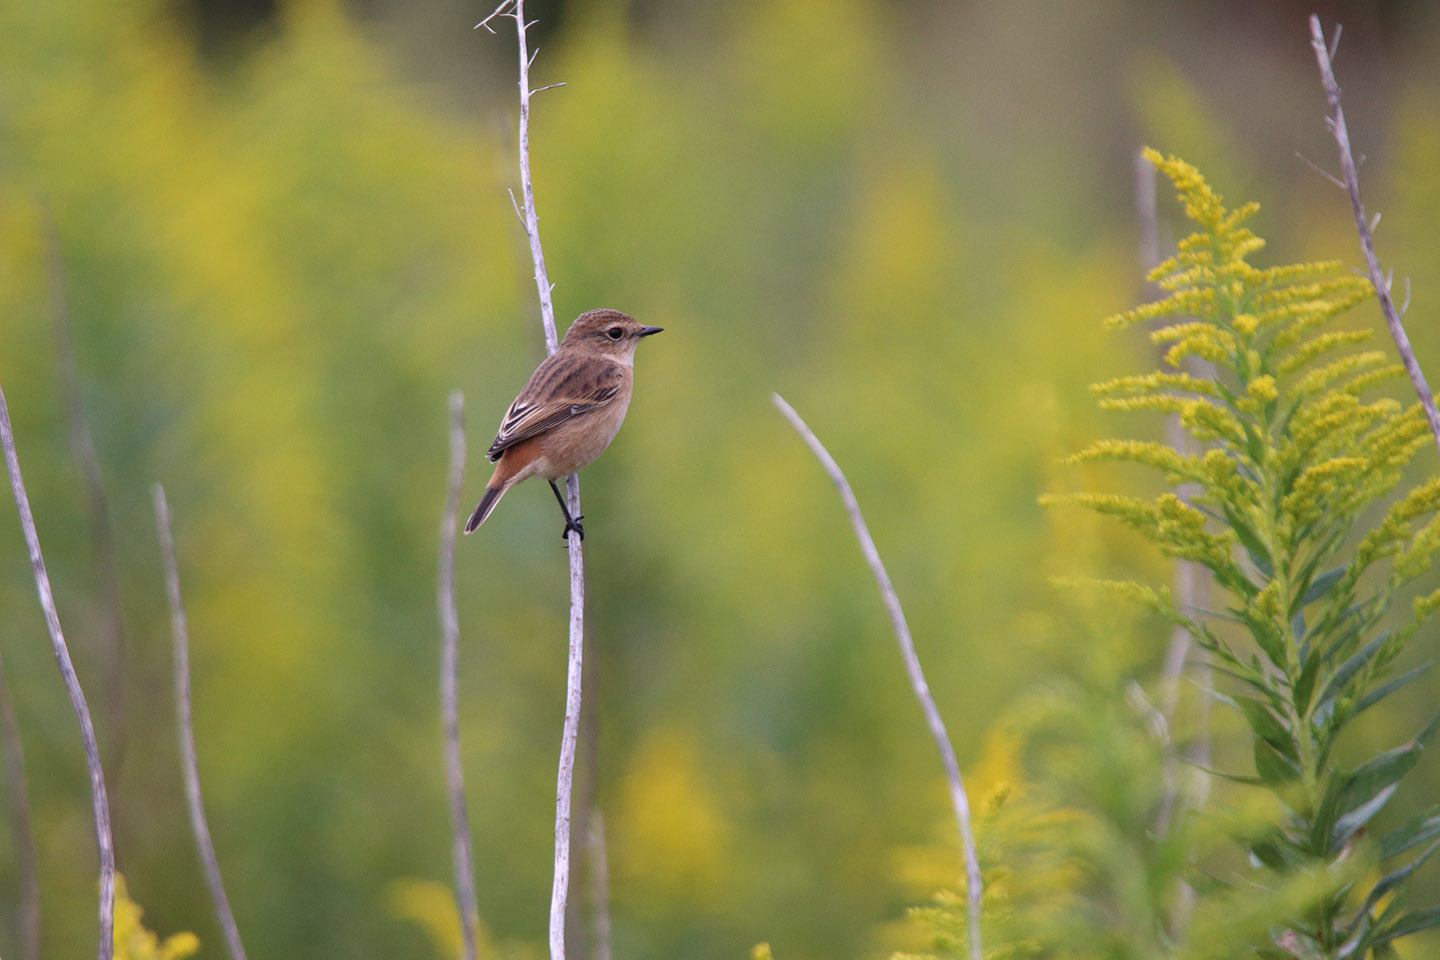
284	238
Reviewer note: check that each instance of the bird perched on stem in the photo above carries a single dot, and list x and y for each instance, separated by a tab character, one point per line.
568	412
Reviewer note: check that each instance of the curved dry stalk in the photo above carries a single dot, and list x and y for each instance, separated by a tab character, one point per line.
958	798
82	448
27	865
461	850
189	764
99	802
559	891
1349	179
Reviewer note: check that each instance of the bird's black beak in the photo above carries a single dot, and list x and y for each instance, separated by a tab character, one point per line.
647	331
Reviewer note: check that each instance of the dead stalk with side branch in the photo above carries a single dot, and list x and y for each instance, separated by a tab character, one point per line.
461	848
958	798
559	891
1349	179
99	802
189	763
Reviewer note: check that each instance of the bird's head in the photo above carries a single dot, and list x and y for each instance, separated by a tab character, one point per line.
607	332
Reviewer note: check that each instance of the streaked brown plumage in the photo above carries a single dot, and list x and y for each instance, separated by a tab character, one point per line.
568	412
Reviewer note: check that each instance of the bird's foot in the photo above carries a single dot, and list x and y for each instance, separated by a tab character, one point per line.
573	524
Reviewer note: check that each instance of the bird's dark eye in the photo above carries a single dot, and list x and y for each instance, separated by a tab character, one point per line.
615	333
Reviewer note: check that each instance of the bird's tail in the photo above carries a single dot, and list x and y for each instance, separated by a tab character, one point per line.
487	503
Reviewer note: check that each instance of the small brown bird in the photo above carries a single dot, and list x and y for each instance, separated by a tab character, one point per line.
568	412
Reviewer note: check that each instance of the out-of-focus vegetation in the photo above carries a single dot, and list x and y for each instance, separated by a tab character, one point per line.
284	244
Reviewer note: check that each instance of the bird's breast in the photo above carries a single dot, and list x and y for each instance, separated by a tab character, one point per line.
576	443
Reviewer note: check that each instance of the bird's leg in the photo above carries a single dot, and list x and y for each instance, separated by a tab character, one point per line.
571	523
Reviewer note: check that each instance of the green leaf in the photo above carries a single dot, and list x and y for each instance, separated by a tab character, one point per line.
1412	922
1305	683
1347	826
1318	588
1411	834
1389	687
1367	781
1268	727
1326	811
1347	671
1393	880
1268	638
1250	679
1273	767
1279	855
1232	777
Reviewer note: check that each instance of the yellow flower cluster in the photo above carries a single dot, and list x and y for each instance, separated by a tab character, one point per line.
1295	449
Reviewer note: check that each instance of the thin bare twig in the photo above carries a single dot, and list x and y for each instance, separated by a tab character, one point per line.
189	765
559	891
27	865
564	781
1349	173
461	850
82	448
958	798
99	803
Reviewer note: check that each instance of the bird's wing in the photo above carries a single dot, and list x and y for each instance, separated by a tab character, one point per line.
556	393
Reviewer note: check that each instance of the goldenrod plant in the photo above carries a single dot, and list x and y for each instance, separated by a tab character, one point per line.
1297	450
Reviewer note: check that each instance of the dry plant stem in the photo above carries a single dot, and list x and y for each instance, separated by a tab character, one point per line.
599	885
958	798
559	891
100	804
18	795
1350	178
189	765
82	447
461	850
564	781
579	934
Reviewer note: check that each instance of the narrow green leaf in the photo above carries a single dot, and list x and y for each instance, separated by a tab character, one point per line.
1305	682
1389	687
1368	780
1232	777
1423	737
1358	930
1411	834
1279	855
1320	586
1251	680
1347	671
1394	879
1268	727
1326	812
1273	767
1269	639
1347	826
1412	922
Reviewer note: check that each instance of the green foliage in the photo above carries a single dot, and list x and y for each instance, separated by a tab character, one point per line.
1297	452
